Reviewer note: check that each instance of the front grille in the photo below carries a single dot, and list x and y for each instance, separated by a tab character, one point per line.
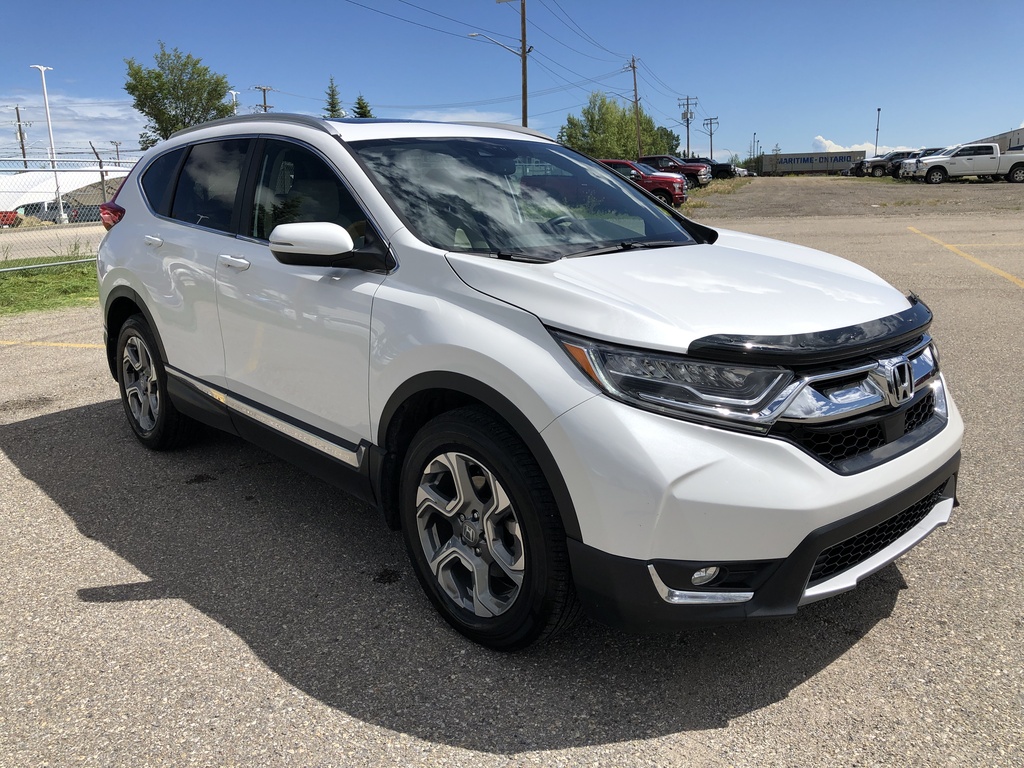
855	550
837	442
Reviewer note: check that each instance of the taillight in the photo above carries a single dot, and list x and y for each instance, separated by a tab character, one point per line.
111	212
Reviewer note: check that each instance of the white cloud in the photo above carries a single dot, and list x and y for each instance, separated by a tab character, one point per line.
821	144
76	122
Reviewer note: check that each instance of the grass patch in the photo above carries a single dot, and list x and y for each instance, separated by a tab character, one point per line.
73	285
698	198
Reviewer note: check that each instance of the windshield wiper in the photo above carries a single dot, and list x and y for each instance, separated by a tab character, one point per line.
517	256
626	245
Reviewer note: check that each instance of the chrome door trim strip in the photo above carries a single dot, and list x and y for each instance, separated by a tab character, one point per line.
353	458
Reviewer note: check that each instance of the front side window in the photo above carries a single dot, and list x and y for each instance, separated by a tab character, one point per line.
208	185
513	198
297	185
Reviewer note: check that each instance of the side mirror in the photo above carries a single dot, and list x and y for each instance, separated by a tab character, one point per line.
324	244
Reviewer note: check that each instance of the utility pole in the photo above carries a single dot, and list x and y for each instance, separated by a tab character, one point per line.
19	133
523	50
117	150
687	116
636	108
264	88
709	127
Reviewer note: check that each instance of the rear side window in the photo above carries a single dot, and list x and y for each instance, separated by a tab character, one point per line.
208	185
158	180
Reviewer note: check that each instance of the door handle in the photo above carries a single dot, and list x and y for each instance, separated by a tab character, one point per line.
153	241
234	262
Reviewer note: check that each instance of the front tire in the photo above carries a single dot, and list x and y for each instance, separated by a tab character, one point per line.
935	175
483	532
142	381
878	171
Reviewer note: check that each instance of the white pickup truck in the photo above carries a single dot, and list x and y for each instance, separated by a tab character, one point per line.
971	160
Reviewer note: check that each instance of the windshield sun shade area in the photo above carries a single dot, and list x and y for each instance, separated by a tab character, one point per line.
516	199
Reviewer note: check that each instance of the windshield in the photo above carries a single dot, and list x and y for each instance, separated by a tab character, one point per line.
513	198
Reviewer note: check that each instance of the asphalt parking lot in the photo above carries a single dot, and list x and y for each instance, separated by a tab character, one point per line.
217	607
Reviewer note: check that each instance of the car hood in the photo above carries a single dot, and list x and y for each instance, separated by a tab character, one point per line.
666	298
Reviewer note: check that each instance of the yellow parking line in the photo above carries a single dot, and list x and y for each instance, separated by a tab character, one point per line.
48	344
974	259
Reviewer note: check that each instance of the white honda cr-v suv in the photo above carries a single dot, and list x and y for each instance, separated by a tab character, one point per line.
565	394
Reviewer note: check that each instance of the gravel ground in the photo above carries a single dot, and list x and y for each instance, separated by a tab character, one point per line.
216	607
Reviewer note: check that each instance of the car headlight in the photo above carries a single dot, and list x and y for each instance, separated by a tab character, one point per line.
740	395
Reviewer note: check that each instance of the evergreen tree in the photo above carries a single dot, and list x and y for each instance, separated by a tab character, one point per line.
333	103
178	93
362	108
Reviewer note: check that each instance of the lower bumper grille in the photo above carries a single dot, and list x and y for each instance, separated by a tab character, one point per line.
856	549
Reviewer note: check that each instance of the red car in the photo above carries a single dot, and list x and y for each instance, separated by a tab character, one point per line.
670	188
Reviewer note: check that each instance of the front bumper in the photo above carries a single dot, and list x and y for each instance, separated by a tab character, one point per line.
649	595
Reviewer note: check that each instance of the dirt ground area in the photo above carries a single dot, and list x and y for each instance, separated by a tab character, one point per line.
849	196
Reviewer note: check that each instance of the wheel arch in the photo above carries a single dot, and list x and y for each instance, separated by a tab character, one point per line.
1009	175
942	172
430	394
123	302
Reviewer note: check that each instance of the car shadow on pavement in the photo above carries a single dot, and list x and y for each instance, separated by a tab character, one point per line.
320	590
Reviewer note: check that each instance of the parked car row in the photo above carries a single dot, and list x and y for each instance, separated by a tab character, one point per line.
981	160
670	188
49	211
659	174
938	164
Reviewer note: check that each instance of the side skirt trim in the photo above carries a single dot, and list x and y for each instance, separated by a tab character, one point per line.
349	454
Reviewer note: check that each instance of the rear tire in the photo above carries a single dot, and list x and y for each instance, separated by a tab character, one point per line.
142	381
484	533
1016	175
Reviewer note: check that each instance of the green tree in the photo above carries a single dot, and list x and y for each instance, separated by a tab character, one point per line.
177	93
362	108
333	103
606	129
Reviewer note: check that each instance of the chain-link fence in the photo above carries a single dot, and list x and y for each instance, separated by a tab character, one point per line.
51	216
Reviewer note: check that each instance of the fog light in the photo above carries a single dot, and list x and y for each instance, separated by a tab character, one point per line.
704	576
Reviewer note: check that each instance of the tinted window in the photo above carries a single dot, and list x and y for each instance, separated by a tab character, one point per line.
158	180
295	184
208	186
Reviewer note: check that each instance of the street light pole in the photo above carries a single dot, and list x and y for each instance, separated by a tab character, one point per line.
234	100
53	150
878	122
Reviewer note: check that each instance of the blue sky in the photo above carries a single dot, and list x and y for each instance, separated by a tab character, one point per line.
803	75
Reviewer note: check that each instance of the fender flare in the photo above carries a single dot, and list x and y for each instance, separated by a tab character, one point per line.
460	384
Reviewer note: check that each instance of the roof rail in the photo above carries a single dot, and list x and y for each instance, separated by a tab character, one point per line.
276	117
505	127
